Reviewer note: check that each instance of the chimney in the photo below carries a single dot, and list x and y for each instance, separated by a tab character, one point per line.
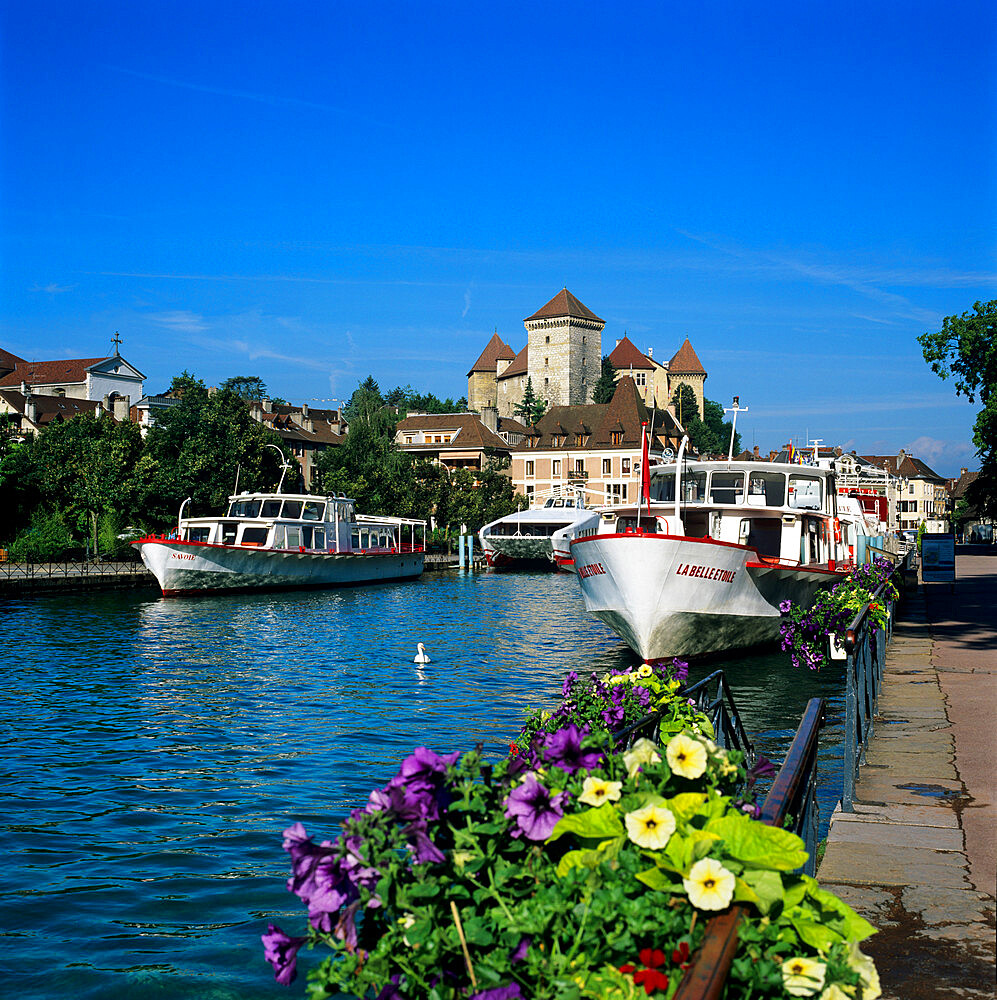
489	417
304	410
30	409
267	406
650	352
962	472
901	455
25	388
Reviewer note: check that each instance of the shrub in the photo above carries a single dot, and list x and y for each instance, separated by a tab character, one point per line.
47	538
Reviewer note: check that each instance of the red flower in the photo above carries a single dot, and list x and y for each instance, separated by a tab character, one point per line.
649	977
513	749
680	956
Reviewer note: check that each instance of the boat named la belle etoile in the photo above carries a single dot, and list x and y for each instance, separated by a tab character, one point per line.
283	540
704	561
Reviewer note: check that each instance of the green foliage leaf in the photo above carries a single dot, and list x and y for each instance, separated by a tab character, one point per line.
600	822
757	845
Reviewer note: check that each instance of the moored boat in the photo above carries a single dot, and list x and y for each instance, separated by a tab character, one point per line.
525	537
704	562
283	540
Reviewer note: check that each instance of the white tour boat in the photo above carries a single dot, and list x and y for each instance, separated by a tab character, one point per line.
283	540
524	537
704	562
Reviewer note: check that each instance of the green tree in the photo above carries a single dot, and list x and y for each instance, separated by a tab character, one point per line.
531	409
966	348
709	436
605	386
246	386
47	539
195	447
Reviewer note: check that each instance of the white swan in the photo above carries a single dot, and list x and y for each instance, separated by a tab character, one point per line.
421	656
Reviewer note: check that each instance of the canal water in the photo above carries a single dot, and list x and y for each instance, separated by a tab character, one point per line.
153	750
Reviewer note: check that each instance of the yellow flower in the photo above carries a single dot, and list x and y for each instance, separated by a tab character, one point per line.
642	752
686	756
866	968
835	992
709	885
803	977
645	670
595	791
651	826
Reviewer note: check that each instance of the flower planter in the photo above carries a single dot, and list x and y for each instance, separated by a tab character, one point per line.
838	651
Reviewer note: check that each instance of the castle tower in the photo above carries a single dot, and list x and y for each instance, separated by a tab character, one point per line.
482	389
685	368
564	350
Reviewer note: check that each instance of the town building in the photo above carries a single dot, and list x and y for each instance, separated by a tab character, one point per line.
30	412
920	493
306	431
459	440
974	526
594	448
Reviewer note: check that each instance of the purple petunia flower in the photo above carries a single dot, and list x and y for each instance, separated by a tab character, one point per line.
510	992
281	951
785	607
563	749
518	954
614	717
680	669
392	989
536	813
423	849
569	683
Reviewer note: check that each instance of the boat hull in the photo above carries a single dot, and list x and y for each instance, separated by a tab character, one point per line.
510	551
183	567
668	595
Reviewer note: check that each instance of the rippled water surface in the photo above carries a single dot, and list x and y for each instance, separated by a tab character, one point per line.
154	749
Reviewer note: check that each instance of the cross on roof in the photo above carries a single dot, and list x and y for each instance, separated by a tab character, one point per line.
116	340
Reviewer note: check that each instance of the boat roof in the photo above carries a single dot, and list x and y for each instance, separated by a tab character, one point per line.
735	466
287	496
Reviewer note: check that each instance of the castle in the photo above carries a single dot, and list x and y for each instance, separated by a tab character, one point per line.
562	360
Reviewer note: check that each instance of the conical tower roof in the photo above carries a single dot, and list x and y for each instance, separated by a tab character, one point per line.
685	361
564	304
495	350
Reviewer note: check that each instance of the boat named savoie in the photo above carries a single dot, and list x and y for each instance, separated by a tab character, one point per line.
283	540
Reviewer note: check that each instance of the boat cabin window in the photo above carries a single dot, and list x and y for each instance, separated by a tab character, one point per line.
320	538
804	492
765	535
313	510
694	487
292	537
766	489
558	502
198	534
628	525
292	509
254	536
306	536
228	533
271	508
727	487
245	508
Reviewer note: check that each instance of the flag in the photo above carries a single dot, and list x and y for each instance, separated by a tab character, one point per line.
645	466
792	452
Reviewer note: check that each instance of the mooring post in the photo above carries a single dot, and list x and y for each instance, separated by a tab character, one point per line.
462	553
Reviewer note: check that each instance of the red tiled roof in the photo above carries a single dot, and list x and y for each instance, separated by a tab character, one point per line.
626	355
685	361
564	304
510	426
519	366
8	361
50	372
51	408
909	468
471	432
495	350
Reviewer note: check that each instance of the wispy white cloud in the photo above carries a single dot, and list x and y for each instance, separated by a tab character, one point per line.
180	321
930	449
467	302
52	288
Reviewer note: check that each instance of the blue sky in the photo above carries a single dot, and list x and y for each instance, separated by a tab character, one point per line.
314	192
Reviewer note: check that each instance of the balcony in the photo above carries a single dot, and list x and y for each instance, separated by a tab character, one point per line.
577	476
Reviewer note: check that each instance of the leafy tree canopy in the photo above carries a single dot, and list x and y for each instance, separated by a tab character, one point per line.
246	386
711	435
407	400
605	386
966	348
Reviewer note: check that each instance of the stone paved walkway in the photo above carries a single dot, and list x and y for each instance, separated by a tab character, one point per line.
917	855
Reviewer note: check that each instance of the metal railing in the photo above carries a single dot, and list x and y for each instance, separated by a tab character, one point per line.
793	794
713	697
865	644
71	568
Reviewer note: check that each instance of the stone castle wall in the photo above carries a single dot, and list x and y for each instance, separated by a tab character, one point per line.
565	359
481	391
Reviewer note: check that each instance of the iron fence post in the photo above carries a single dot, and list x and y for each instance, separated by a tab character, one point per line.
848	783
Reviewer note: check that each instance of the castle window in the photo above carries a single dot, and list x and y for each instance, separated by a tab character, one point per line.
546	384
546	362
640	378
547	339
